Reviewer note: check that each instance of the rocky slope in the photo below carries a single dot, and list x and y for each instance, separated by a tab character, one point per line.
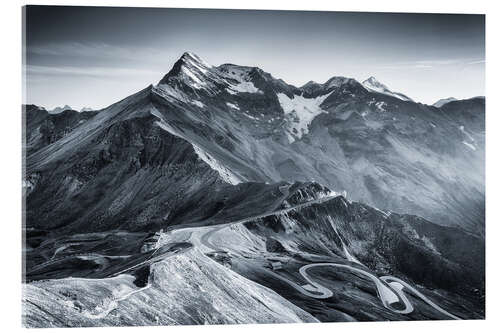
235	168
43	128
204	274
393	154
181	290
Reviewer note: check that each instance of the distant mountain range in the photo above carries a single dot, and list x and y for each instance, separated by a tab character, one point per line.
60	109
342	172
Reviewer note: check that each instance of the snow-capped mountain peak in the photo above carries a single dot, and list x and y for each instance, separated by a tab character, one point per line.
372	84
194	59
190	70
191	74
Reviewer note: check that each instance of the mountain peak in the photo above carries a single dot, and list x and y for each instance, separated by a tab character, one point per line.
309	83
188	54
337	81
372	84
60	109
443	101
190	69
191	58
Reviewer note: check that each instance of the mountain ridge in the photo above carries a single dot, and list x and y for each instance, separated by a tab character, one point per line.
229	173
253	110
373	84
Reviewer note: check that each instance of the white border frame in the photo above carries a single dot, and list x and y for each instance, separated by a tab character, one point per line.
10	311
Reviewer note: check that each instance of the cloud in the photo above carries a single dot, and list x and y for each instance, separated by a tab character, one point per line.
423	66
431	63
476	62
95	50
97	72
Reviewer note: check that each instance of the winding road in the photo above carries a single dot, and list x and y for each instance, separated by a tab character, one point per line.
390	290
398	284
387	293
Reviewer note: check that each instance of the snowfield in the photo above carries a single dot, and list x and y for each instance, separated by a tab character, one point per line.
244	87
302	110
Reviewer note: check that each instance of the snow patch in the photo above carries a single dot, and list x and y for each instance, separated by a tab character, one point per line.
302	111
174	95
227	175
349	256
462	129
231	105
198	104
170	94
380	106
471	146
244	87
243	81
196	82
372	84
251	117
199	64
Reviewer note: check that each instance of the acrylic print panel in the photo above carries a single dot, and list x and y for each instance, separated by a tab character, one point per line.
191	166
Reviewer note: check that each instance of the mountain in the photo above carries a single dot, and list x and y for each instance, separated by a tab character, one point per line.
257	128
225	178
86	109
372	84
112	286
443	101
318	133
59	109
44	128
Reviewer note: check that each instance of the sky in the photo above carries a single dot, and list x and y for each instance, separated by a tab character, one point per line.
95	56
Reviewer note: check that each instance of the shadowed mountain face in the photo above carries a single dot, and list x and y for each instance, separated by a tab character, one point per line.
393	154
233	151
44	128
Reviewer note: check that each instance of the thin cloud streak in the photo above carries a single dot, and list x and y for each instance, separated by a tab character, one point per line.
425	64
98	72
95	50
